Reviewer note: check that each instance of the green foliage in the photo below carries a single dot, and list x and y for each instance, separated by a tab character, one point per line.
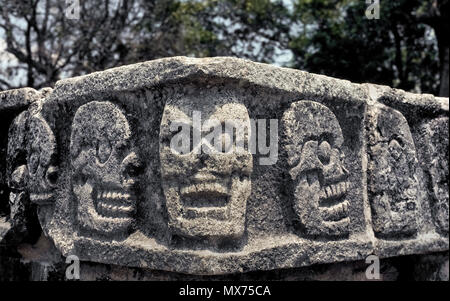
338	40
252	29
331	37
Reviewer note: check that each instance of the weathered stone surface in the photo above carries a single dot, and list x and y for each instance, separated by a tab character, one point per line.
392	177
435	164
101	163
17	213
314	169
206	193
314	141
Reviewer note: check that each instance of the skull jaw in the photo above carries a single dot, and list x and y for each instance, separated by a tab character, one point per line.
396	225
212	225
318	216
91	221
41	197
388	223
41	189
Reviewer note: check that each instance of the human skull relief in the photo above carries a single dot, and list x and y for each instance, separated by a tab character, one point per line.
206	190
392	181
104	169
41	163
313	140
437	163
38	173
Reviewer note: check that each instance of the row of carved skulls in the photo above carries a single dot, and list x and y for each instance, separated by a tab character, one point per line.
206	194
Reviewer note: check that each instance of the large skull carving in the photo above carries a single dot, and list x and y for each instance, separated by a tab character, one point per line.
206	190
104	169
313	142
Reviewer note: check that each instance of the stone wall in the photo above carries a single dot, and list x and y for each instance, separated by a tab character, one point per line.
222	168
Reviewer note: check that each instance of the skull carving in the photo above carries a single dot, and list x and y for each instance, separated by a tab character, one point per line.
104	170
41	163
206	190
17	154
392	182
437	147
39	173
17	172
313	143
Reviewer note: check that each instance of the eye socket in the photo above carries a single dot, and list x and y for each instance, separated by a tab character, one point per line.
324	152
132	167
133	170
33	163
80	178
103	150
394	144
52	175
395	148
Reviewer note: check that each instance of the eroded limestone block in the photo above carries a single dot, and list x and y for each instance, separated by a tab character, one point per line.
221	165
18	136
436	133
103	163
206	190
314	142
41	159
17	173
392	173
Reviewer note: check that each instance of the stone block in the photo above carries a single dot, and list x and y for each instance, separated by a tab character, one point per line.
221	165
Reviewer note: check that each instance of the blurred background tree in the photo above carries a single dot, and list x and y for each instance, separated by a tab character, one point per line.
406	48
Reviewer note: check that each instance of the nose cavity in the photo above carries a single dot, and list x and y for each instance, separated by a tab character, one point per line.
33	162
103	150
324	152
309	159
81	177
205	153
335	168
52	176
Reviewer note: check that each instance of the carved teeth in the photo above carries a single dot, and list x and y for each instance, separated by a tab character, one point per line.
329	192
334	190
336	212
113	195
205	187
110	204
40	196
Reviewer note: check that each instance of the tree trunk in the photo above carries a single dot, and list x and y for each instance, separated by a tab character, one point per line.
443	90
